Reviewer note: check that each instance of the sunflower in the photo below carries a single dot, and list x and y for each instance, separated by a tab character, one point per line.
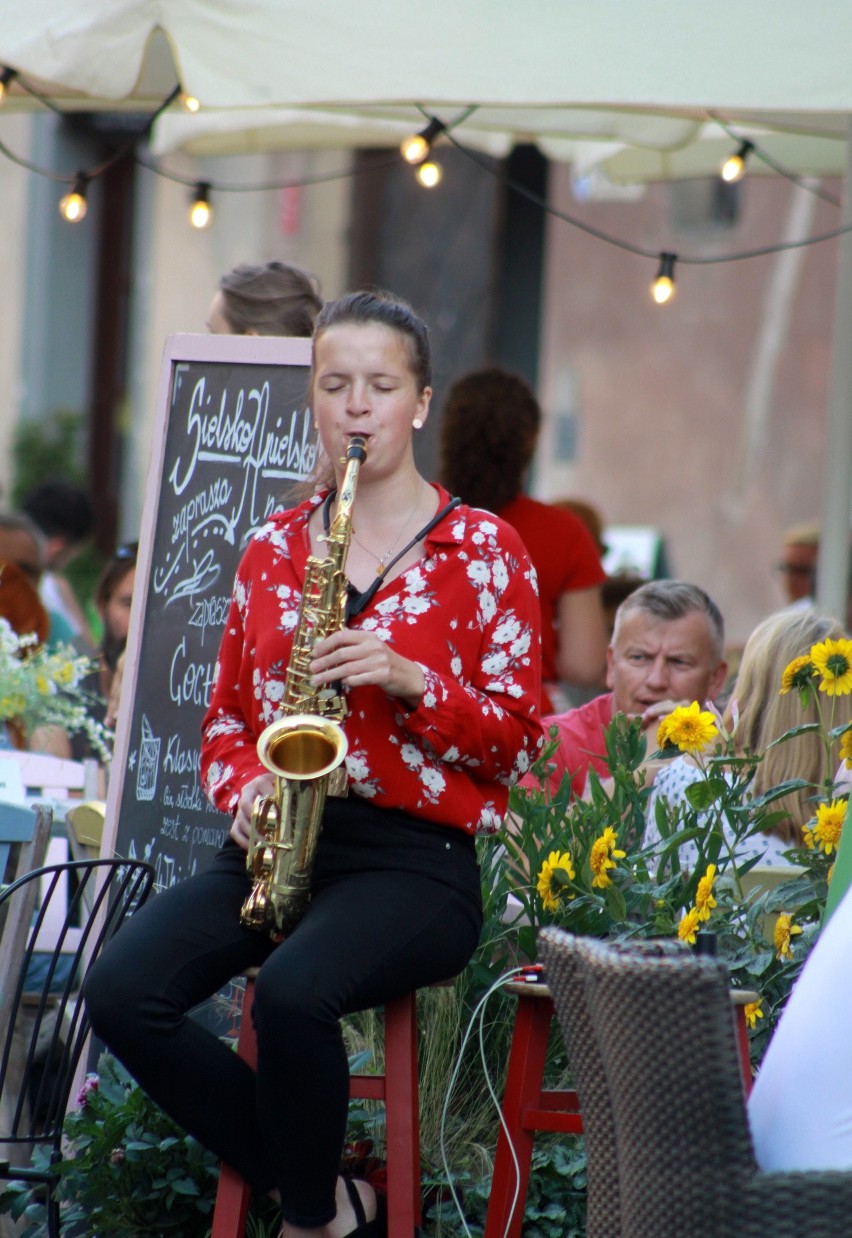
829	825
785	931
846	748
690	727
689	926
797	674
704	900
753	1011
602	857
833	660
556	872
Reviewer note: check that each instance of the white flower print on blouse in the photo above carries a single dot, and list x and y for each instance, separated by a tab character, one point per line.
358	769
218	775
433	782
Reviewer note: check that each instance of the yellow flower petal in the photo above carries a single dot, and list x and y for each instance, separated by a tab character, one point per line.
690	727
833	660
829	825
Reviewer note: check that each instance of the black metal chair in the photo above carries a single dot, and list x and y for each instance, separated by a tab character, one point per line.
79	906
664	1029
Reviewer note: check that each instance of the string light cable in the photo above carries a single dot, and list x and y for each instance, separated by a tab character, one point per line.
531	973
642	251
71	118
301	182
755	150
445	129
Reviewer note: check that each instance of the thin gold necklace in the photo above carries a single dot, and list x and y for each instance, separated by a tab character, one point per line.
382	560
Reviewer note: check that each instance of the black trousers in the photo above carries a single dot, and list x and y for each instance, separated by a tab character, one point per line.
396	905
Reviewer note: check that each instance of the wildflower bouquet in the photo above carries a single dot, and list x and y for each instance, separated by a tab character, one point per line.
595	866
41	687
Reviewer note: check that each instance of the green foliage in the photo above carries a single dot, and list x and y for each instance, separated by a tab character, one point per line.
556	1198
647	890
128	1169
48	448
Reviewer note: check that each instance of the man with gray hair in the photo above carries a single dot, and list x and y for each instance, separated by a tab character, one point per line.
667	649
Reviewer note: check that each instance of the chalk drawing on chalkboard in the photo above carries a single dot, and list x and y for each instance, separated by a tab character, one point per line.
149	763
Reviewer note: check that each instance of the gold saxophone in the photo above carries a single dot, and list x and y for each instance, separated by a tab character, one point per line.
305	747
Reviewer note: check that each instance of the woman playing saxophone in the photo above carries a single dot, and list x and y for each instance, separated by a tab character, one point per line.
438	663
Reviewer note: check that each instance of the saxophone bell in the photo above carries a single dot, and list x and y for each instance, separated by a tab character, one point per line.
303	752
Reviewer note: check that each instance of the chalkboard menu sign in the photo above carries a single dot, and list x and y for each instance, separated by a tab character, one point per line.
233	437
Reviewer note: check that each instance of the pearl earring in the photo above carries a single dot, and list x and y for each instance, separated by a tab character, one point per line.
418	423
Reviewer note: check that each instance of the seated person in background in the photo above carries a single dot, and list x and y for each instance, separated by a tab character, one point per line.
113	598
590	517
798	563
64	516
667	650
615	590
24	611
20	604
765	714
489	428
270	299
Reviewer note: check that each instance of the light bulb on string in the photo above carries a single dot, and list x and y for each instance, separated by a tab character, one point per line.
429	173
72	206
416	147
733	169
188	102
663	287
6	78
201	212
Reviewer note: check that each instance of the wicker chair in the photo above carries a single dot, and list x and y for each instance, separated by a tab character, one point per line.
663	1026
561	955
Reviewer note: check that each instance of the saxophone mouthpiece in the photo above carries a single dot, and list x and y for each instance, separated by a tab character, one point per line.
357	449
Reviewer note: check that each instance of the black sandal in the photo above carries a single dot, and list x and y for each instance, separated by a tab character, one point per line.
376	1228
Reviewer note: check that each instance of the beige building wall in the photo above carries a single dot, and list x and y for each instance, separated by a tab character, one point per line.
178	267
705	418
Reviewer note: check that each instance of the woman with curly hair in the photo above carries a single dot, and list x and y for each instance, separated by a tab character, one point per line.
489	429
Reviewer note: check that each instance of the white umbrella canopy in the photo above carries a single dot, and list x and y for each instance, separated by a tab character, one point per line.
644	77
770	55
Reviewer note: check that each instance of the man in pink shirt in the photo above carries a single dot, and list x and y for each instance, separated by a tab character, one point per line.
667	649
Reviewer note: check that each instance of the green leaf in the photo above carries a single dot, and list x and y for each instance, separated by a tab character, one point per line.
615	902
706	792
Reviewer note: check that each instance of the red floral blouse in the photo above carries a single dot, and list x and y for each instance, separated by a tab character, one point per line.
467	612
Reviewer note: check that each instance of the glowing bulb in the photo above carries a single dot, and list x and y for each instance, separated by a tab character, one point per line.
189	103
415	148
430	173
663	287
201	212
6	78
72	206
733	169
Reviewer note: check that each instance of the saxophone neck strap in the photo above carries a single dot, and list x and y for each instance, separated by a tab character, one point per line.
355	601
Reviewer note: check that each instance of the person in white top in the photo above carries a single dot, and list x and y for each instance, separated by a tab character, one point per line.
800	1108
764	715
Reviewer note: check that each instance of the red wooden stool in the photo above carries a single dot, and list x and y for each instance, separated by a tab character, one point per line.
397	1087
527	1107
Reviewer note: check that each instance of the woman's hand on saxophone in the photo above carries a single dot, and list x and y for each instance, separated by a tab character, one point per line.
355	658
263	784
